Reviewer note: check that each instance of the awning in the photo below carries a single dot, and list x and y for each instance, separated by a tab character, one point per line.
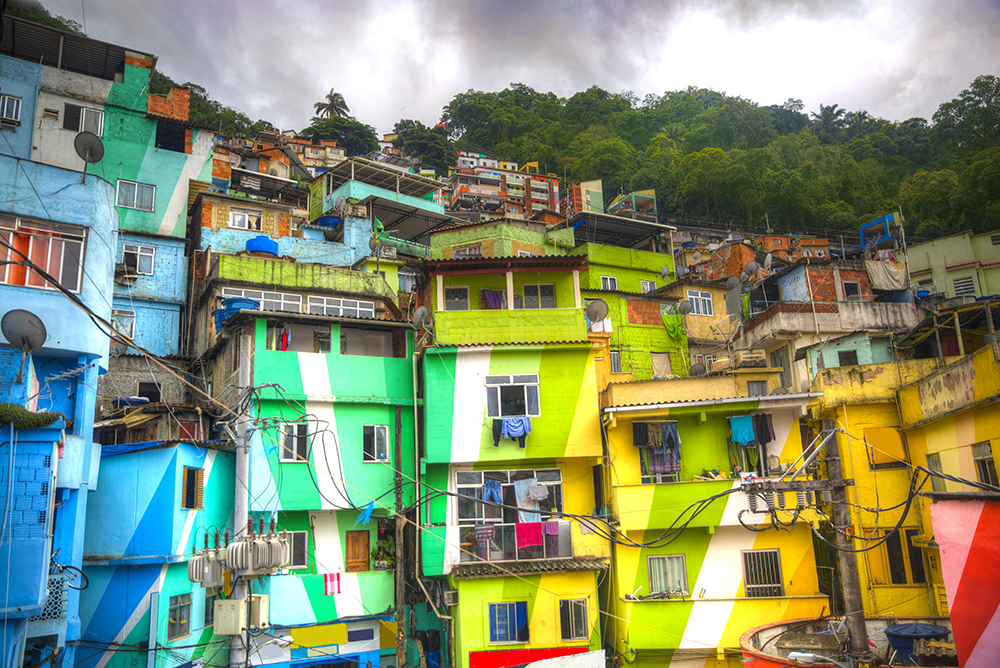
603	228
408	222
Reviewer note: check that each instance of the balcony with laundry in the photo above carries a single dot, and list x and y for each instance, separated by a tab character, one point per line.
507	299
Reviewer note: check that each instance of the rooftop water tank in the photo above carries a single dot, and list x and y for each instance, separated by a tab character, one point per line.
263	244
902	636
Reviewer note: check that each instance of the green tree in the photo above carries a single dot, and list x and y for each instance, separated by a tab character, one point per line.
431	145
927	196
828	122
333	105
354	136
979	196
703	180
971	122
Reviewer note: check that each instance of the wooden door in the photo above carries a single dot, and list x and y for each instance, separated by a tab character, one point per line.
357	551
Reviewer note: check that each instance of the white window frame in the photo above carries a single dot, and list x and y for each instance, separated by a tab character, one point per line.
509	605
495	392
448	302
964	285
120	314
524	253
538	295
299	450
750	588
551	477
298	561
701	303
42	238
847	298
609	283
133	201
85	113
336	306
647	286
471	250
279	302
756	391
239	218
573	633
666	560
10	109
177	607
140	252
380	447
616	361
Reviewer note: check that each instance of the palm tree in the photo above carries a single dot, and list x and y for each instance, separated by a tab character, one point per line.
334	105
830	118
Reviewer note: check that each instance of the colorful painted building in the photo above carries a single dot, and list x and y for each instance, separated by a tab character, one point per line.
710	328
161	501
511	460
696	560
962	264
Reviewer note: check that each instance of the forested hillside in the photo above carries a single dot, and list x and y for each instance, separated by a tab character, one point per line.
718	156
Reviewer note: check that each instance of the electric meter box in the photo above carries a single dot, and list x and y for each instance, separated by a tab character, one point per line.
259	616
230	616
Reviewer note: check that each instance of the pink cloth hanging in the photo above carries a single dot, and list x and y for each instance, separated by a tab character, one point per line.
529	534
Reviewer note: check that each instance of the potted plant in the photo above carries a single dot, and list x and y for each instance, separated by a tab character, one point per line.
384	554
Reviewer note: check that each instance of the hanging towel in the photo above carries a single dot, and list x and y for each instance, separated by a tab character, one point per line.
366	514
492	491
527	507
538	492
331	583
550	528
741	427
529	534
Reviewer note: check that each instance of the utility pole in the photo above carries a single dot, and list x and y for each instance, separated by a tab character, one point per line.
400	561
854	608
238	651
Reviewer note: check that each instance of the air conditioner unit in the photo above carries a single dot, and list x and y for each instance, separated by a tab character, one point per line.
451	598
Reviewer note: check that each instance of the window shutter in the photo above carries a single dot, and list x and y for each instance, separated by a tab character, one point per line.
532	397
199	481
71	119
493	402
357	551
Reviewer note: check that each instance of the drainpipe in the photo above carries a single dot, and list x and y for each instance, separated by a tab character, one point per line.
812	300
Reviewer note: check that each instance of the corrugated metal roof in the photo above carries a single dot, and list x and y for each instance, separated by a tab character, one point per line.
510	343
763	399
502	569
469	264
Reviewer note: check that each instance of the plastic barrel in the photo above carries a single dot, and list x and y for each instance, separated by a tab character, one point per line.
220	317
902	636
263	244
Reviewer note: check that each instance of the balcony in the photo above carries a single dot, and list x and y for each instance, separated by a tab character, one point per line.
783	320
503	545
503	326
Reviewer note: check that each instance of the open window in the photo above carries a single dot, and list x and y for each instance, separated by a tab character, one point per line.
299	338
376	443
138	259
372	342
512	396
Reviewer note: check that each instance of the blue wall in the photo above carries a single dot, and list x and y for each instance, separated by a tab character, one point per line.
357	233
20	79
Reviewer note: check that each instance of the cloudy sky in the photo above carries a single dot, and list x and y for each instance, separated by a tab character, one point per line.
395	59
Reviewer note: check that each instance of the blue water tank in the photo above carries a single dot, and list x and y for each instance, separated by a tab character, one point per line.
263	244
328	221
902	637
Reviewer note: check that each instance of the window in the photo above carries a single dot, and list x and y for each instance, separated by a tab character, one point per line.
540	296
524	253
655	465
170	137
211	596
299	549
123	321
376	443
138	259
852	291
701	302
82	119
294	442
934	464
456	298
995	239
925	283
661	365
819	253
609	283
357	551
470	485
192	482
573	619
806	253
512	396
647	286
762	573
847	357
509	622
756	388
150	390
964	285
616	362
269	301
132	195
885	448
57	249
245	219
779	358
668	575
407	281
179	616
986	471
902	562
475	250
336	306
360	635
777	242
10	109
299	338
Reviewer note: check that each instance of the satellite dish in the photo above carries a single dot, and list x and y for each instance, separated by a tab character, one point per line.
25	331
420	318
272	171
767	261
685	307
732	282
340	204
779	390
597	310
373	244
751	267
665	271
90	149
696	256
697	369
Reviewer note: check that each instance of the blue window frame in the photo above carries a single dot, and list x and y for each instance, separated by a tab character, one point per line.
509	622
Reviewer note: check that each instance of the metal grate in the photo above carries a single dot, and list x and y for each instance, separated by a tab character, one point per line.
55	604
762	573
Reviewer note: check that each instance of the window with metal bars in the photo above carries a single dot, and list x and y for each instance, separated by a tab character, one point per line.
192	484
762	573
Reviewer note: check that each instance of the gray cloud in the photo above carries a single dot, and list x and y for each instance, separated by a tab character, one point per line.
407	59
